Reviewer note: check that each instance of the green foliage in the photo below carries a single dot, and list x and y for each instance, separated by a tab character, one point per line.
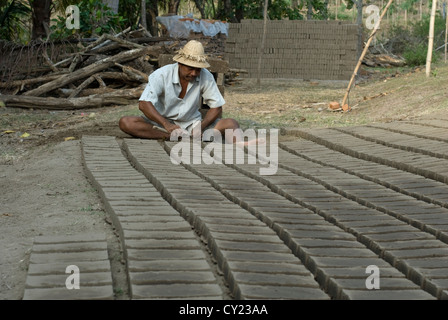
13	19
280	9
415	55
95	18
253	9
130	11
412	42
420	29
401	38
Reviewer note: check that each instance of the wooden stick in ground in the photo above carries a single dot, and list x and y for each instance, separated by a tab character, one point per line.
263	39
446	33
431	37
375	29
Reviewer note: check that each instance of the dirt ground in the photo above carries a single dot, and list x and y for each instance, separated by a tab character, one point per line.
44	190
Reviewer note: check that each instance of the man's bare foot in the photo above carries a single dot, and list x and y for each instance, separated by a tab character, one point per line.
250	142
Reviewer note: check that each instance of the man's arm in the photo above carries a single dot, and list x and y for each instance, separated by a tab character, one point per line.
150	111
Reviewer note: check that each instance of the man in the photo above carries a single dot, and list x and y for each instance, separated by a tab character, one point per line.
171	99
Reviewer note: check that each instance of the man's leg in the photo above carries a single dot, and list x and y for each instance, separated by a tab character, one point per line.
237	138
139	128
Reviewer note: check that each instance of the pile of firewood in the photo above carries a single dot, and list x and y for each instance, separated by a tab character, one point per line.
110	70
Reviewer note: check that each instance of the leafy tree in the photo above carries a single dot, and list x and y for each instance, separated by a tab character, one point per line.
96	18
13	19
236	10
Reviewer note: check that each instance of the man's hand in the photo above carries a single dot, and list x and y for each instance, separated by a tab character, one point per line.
176	131
170	127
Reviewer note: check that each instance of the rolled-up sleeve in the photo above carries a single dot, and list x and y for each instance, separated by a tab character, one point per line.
210	91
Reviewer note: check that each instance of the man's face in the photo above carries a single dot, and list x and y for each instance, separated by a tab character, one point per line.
188	73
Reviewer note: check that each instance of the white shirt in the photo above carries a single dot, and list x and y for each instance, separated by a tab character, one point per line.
163	91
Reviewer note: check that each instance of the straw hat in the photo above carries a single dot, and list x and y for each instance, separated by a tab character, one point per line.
192	54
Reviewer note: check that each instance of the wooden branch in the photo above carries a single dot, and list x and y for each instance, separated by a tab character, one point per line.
99	80
63	62
95	43
86	82
89	70
124	43
19	83
77	58
108	37
49	62
134	73
116	97
85	92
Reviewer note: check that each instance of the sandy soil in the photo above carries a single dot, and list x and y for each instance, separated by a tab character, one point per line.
44	191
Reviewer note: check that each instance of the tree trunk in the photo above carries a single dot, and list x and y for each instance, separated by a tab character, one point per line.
40	17
143	14
359	23
200	6
151	16
337	8
173	6
309	13
224	10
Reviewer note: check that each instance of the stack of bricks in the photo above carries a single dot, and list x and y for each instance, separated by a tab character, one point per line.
294	49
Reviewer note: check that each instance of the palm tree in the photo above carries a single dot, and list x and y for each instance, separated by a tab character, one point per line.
13	19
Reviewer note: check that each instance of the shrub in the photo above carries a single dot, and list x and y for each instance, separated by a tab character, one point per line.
405	40
416	55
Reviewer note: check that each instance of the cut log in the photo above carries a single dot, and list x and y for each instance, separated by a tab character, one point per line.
90	70
116	97
19	83
85	92
134	73
85	83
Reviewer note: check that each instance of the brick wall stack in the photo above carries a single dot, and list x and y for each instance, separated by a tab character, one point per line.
321	50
